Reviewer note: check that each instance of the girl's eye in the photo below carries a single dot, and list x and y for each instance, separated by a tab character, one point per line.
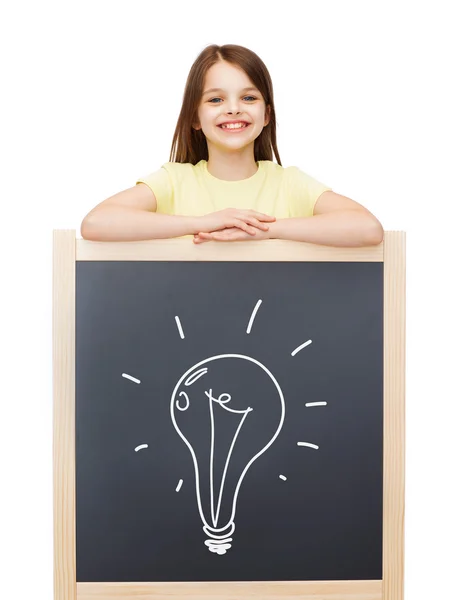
253	98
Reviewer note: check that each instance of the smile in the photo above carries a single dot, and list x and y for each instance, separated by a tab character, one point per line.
233	129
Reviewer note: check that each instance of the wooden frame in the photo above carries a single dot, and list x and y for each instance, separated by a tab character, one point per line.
67	249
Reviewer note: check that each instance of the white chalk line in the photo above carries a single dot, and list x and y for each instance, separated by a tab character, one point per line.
182	335
282	477
131	378
251	320
138	448
296	350
179	485
245	412
308	445
316	404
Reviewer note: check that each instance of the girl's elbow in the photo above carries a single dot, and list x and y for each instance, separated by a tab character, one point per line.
84	229
87	231
375	233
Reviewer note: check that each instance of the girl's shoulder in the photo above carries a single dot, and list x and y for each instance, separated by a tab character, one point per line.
179	170
273	169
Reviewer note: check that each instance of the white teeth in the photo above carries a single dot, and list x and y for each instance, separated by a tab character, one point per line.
234	126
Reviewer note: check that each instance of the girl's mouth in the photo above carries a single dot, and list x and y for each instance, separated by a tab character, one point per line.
234	129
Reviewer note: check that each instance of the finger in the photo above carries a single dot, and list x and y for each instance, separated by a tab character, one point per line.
245	227
259	225
230	235
218	236
198	240
261	216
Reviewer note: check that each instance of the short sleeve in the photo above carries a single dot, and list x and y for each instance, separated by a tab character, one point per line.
161	185
303	191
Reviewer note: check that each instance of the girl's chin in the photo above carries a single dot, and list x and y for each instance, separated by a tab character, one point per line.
230	147
234	138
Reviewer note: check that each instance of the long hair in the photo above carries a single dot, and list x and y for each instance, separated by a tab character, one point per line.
190	145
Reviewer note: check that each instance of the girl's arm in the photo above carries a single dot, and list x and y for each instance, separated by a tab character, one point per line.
130	216
337	221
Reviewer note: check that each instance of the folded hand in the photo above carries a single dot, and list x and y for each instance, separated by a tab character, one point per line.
230	234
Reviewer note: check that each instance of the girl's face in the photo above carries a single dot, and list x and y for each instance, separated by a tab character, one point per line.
229	103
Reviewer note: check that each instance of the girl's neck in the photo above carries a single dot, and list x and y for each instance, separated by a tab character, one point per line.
232	166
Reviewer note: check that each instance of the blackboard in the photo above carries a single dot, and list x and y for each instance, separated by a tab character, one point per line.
299	343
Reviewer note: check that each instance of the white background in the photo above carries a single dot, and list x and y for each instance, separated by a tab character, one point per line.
91	93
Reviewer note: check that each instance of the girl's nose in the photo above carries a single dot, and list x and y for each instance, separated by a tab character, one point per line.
232	107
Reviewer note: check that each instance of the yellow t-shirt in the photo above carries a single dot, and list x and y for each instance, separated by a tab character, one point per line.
191	190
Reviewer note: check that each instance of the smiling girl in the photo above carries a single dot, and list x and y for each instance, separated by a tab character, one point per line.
221	182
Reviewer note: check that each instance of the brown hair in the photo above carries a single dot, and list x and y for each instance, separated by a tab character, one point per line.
190	145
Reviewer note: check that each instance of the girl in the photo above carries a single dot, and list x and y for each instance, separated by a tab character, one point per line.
221	182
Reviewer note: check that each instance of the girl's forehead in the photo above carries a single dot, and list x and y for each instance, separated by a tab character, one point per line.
223	73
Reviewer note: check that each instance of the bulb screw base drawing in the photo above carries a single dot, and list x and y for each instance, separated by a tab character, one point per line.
219	541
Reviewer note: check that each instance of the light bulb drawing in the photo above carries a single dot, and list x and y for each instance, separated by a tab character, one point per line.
228	409
212	407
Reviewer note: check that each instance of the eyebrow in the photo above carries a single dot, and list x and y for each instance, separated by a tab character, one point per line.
246	89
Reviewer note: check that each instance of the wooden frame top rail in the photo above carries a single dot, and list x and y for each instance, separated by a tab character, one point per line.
184	249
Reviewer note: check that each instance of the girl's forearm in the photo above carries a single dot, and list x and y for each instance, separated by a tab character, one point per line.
119	224
339	228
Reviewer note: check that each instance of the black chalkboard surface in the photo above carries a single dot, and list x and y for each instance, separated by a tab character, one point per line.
229	421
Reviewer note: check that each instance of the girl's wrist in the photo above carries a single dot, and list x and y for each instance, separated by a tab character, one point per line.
273	231
194	224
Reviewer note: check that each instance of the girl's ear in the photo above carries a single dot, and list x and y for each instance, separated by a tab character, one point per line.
268	115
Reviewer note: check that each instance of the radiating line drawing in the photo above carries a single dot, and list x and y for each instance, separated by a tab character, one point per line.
282	477
251	320
179	326
308	445
179	485
138	448
203	397
316	404
131	378
296	350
